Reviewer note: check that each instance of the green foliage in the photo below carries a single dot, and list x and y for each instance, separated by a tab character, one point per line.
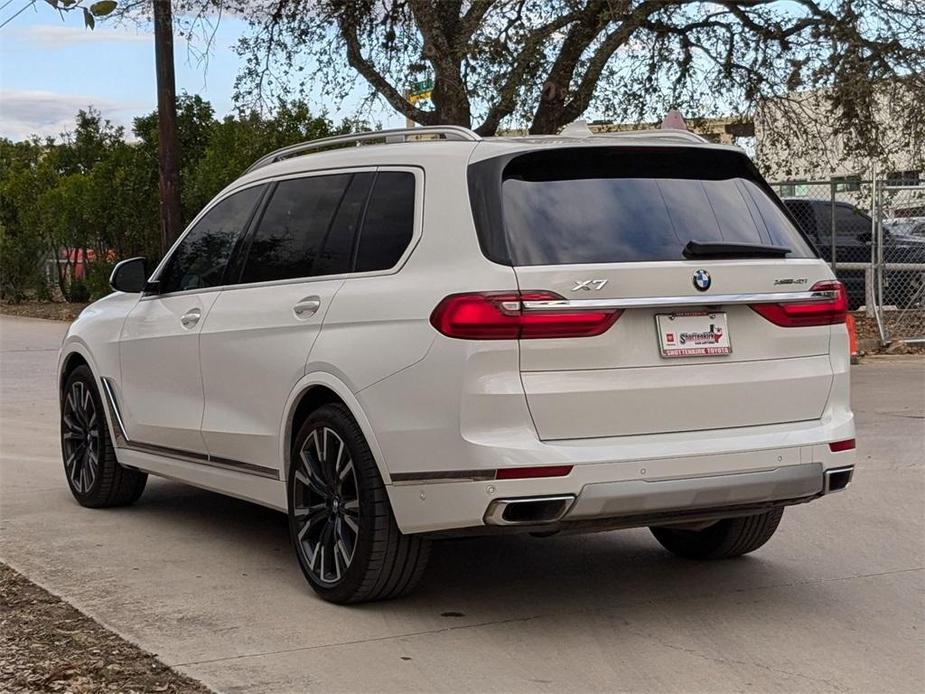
96	280
237	142
20	265
91	198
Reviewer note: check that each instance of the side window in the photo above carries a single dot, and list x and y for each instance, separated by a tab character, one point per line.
389	222
850	221
307	228
199	261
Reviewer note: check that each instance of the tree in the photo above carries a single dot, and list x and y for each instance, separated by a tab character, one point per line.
546	62
24	169
237	142
195	122
168	151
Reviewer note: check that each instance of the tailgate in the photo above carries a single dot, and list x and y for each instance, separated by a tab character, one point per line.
703	267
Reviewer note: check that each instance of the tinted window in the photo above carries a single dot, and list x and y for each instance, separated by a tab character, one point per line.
389	222
307	228
807	219
200	259
851	222
622	204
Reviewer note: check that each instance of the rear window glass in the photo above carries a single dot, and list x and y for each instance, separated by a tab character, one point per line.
624	204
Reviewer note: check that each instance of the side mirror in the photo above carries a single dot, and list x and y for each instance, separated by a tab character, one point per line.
129	276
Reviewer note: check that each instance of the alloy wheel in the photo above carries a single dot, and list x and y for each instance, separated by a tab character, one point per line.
81	437
326	506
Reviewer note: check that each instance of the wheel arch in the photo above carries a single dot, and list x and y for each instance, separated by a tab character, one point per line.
313	391
74	353
69	362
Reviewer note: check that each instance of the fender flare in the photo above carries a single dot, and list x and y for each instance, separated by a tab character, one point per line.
323	378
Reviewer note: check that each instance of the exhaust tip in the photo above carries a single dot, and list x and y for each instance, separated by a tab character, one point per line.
837	479
534	511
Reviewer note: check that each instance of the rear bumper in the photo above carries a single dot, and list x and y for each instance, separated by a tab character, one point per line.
655	500
608	499
612	495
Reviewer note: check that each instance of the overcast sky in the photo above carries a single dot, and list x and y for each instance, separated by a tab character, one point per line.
50	68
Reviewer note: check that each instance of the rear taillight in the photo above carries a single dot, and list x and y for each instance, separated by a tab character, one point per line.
830	308
502	316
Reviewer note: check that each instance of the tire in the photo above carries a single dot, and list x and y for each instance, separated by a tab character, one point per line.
95	477
340	521
731	537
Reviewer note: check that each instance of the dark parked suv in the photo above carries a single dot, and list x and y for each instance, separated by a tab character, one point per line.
853	245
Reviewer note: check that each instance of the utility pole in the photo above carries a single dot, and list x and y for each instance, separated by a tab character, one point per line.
168	148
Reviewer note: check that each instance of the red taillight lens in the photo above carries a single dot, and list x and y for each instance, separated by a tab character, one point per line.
502	316
830	309
839	446
522	473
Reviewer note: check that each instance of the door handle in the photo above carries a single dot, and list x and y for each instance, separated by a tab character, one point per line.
190	318
307	307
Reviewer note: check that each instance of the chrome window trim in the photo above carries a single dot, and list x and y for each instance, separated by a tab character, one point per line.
681	301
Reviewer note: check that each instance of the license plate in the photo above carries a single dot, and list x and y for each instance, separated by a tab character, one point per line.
693	334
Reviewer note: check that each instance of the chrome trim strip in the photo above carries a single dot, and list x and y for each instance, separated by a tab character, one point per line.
121	436
203	459
679	301
122	440
441	476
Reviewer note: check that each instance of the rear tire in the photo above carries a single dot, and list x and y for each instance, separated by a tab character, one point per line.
95	477
340	521
731	537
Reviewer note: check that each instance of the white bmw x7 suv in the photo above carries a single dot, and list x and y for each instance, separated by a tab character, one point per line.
437	334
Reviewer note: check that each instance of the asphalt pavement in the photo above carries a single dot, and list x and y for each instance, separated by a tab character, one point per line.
834	602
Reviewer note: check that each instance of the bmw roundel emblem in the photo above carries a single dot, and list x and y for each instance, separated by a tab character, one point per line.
702	280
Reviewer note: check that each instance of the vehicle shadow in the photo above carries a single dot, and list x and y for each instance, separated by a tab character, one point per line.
478	576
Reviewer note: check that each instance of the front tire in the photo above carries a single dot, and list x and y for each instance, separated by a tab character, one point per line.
95	477
340	521
731	537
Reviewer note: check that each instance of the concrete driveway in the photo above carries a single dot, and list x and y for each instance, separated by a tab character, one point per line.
833	603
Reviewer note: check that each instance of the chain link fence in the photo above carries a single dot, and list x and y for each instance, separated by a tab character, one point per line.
872	233
900	261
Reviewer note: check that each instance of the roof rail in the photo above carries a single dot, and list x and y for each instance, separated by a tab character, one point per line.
667	133
444	132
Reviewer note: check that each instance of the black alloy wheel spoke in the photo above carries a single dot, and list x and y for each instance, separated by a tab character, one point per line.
81	437
326	505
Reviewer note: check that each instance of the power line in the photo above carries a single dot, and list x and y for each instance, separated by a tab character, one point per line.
3	7
25	7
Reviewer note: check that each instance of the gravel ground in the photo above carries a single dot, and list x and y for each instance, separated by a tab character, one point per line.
48	646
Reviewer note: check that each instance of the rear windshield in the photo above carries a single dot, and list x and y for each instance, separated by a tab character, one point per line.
613	205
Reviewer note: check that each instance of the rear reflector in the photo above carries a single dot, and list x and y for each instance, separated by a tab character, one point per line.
829	309
839	446
501	316
522	473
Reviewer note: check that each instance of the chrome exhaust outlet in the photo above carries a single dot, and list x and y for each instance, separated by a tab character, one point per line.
530	511
837	478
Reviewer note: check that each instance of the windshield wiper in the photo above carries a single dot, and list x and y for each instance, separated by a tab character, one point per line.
721	249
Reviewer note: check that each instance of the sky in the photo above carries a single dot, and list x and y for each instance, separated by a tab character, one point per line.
50	68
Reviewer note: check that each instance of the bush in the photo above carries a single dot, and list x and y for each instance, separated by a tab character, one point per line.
78	292
20	265
97	279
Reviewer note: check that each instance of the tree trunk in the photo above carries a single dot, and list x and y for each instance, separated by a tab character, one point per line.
549	114
168	145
